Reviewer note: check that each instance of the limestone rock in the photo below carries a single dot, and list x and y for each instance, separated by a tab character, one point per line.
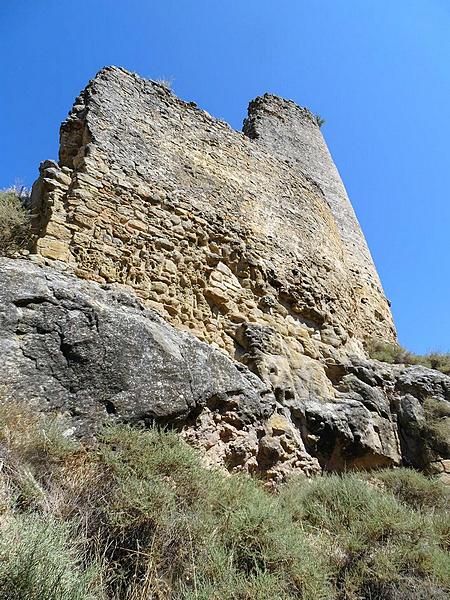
73	346
99	355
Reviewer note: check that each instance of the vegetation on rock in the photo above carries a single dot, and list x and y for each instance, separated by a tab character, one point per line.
137	516
320	120
396	354
14	222
166	82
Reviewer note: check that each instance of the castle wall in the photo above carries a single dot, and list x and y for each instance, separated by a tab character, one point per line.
210	227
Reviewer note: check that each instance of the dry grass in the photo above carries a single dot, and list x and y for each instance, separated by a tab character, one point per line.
15	223
396	354
165	82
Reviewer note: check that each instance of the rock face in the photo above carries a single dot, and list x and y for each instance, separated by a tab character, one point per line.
245	241
97	354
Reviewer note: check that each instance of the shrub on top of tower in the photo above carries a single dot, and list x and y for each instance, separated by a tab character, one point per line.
319	120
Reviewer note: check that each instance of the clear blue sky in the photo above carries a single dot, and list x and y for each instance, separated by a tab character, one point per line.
378	71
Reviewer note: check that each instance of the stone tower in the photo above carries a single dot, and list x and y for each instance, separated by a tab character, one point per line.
246	240
292	133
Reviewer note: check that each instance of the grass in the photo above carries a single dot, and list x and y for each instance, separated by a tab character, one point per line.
377	541
191	530
396	354
436	429
36	437
414	489
15	223
137	517
40	561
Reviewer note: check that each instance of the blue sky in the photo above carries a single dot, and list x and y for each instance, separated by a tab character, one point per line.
378	71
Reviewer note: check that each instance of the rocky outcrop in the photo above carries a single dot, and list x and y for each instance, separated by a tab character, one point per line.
97	354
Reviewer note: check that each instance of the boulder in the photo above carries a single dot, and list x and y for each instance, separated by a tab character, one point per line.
93	352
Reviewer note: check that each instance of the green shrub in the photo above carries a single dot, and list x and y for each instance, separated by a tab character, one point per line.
414	488
374	540
15	223
173	523
38	561
390	353
162	526
438	360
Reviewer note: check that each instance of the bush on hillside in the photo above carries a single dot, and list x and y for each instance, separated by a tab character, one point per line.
376	542
40	561
15	223
395	354
140	505
174	525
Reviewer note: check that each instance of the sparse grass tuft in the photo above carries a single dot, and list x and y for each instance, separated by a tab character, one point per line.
166	83
319	120
33	436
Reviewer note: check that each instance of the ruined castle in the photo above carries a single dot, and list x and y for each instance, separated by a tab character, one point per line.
209	226
161	228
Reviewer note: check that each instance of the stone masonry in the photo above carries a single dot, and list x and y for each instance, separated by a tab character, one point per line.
211	227
291	133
